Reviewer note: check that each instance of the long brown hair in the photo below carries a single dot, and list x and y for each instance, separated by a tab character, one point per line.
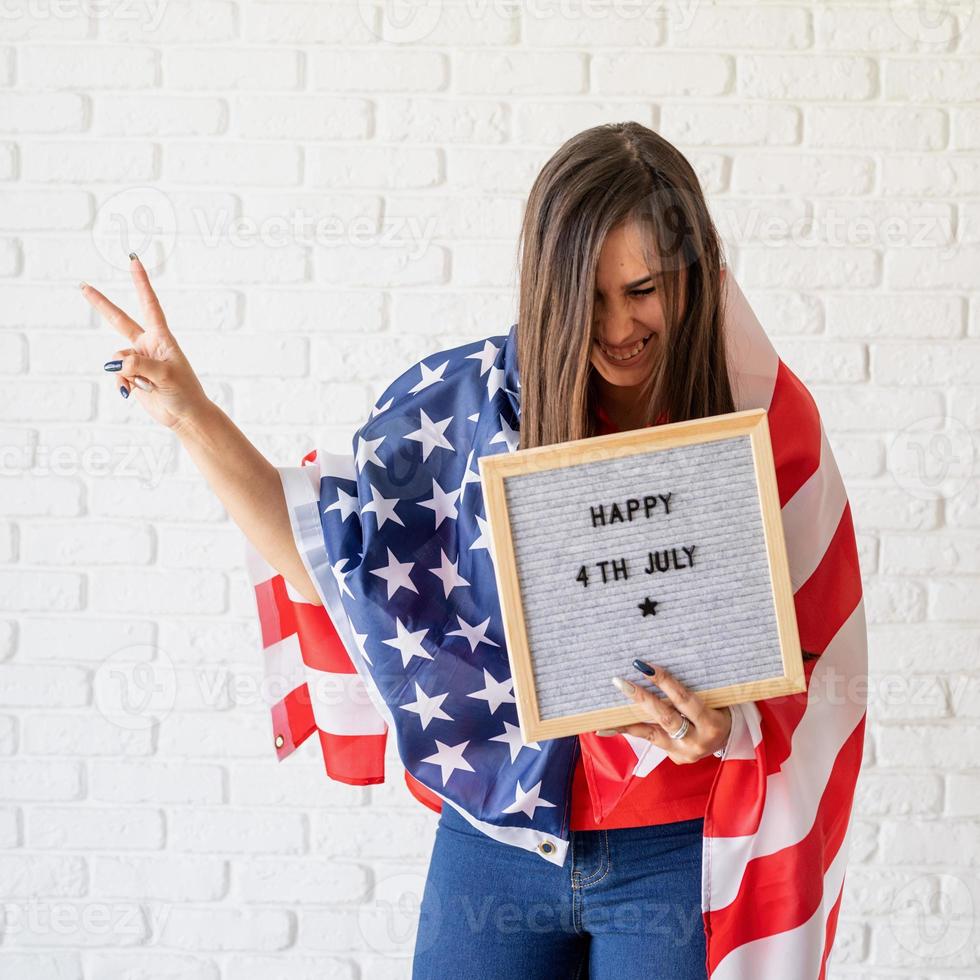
614	173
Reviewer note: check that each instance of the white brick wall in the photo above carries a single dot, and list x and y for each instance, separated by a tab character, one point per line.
839	146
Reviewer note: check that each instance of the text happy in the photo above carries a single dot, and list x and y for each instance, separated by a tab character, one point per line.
633	508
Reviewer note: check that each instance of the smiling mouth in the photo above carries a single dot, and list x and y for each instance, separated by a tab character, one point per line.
621	355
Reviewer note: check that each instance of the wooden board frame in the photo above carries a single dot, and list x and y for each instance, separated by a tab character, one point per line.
494	471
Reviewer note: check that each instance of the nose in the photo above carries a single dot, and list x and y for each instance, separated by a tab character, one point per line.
616	329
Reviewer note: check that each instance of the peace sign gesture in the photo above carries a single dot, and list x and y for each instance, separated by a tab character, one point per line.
700	730
165	383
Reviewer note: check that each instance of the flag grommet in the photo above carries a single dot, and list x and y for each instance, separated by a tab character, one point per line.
546	847
280	741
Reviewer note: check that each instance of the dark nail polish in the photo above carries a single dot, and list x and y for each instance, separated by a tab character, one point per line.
112	366
132	255
124	391
644	668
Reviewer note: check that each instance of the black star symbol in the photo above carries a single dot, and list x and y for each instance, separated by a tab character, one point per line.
648	606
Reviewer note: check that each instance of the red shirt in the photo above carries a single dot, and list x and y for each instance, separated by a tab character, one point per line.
669	793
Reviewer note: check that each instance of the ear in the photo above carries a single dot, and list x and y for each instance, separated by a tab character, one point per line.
724	269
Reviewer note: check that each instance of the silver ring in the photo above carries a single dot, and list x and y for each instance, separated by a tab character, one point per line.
682	731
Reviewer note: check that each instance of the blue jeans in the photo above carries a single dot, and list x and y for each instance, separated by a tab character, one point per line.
625	906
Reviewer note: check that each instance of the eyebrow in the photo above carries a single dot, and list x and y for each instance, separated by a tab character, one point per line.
638	282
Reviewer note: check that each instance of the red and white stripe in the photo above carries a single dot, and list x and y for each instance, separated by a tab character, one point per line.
310	683
777	821
776	825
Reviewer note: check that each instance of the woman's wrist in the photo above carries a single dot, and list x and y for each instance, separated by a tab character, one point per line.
198	424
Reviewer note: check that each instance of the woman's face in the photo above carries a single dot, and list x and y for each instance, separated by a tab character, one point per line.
629	319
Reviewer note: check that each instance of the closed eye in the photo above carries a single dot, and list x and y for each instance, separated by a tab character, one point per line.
643	292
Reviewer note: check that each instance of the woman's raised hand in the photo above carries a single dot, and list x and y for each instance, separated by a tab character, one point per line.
165	384
153	365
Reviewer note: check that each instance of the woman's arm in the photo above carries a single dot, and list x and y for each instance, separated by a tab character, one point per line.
155	369
249	487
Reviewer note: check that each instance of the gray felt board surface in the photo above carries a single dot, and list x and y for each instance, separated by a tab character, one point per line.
714	622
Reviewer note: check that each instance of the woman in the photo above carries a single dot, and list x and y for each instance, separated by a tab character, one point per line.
623	323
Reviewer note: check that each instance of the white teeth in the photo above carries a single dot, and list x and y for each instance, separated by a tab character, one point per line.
625	355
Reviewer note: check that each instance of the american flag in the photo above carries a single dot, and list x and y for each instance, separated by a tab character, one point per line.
410	639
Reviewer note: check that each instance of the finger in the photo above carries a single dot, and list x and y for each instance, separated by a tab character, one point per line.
131	365
114	366
646	729
657	710
641	729
115	317
680	750
685	700
152	311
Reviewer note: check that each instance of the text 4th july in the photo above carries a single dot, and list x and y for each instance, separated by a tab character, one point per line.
667	560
